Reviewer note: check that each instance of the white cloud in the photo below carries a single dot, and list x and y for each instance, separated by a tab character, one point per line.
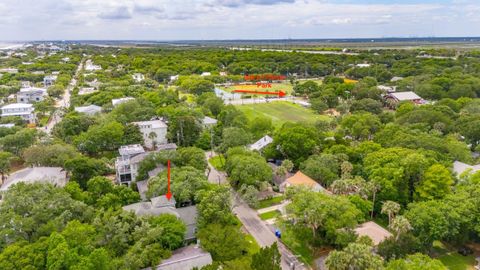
229	19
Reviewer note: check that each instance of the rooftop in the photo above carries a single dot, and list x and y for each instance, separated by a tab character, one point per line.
374	231
33	89
262	143
17	106
133	149
209	121
401	96
301	179
152	123
54	175
188	257
117	101
90	109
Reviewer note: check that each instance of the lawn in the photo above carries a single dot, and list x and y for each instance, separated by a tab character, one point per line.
270	202
296	241
218	162
253	246
269	215
281	112
451	258
275	87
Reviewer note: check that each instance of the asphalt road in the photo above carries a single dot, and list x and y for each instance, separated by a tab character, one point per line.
253	224
63	103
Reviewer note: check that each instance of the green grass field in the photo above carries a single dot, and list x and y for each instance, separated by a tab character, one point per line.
270	202
281	112
452	259
269	215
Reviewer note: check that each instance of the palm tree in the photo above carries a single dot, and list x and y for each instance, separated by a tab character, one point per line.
399	225
152	136
390	208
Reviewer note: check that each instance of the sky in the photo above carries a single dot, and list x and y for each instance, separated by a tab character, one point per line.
235	19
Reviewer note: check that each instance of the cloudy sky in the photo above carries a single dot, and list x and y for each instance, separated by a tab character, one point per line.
235	19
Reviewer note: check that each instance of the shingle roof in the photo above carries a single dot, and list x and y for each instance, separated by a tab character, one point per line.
301	179
374	231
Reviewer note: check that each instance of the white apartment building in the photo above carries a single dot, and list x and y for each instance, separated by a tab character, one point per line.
26	111
126	165
31	94
154	132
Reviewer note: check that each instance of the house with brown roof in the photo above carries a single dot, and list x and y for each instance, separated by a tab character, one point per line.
300	179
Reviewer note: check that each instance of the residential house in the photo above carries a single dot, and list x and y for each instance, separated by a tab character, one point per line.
262	143
387	89
89	66
117	101
154	132
223	73
373	231
10	125
9	70
174	78
161	205
459	168
300	179
54	175
49	80
138	77
396	79
397	97
89	110
362	65
25	111
86	90
25	84
31	94
186	258
127	164
206	74
209	122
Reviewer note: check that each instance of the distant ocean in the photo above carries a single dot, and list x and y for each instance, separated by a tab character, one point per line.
10	45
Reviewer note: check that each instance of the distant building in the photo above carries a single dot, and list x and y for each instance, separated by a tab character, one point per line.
7	125
161	205
187	258
459	168
396	97
262	143
223	73
89	66
9	70
387	89
86	90
138	77
300	179
127	164
31	94
49	80
117	101
209	122
154	132
396	79
206	74
54	175
89	110
25	84
25	111
174	78
362	65
373	231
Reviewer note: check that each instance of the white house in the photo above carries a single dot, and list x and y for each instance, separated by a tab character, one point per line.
9	70
127	164
49	80
89	110
31	94
209	122
206	74
25	111
262	143
154	132
7	125
138	77
86	90
174	78
117	101
89	66
362	65
54	175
